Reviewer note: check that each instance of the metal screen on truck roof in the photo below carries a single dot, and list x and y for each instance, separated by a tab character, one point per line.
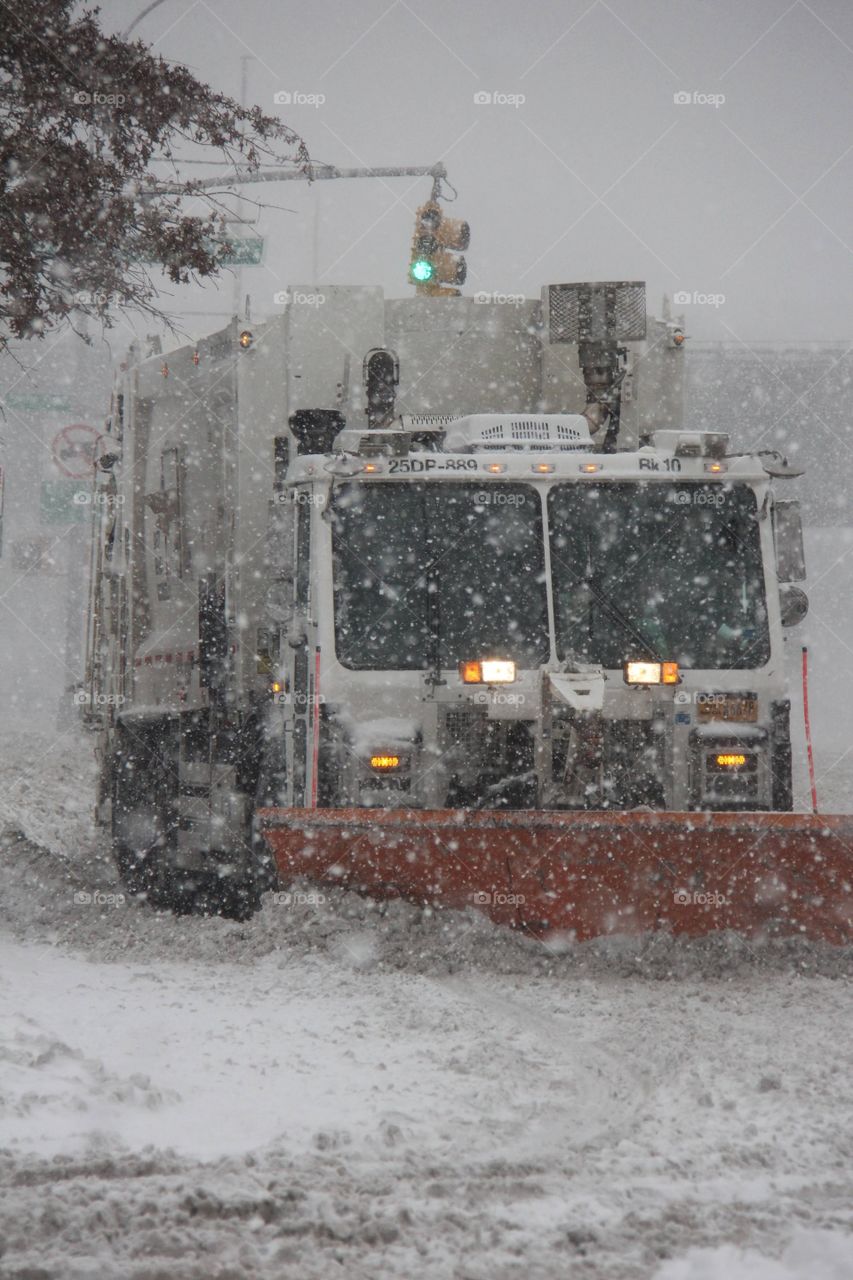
605	312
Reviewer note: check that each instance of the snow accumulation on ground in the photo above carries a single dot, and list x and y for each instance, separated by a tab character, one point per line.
341	1090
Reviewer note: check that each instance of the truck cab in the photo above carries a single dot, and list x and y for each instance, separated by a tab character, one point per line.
491	613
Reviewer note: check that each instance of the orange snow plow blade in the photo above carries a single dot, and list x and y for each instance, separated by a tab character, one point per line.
587	873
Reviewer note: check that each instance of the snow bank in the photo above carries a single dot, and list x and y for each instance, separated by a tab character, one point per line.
339	1088
811	1255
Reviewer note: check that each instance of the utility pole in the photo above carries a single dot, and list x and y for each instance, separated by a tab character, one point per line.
245	59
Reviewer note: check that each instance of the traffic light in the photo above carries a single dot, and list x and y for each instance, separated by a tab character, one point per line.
425	244
436	252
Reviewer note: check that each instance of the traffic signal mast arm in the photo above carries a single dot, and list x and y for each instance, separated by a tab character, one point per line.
305	173
437	266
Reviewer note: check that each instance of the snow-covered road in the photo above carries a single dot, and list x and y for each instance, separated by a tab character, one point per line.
331	1090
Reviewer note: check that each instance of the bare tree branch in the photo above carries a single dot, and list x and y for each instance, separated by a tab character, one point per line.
83	117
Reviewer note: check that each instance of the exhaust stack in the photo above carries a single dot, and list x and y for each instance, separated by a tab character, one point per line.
598	318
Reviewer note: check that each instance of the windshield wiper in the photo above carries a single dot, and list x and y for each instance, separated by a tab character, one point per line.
627	625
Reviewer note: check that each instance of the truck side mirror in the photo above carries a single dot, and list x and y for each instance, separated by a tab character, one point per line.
788	539
793	604
297	633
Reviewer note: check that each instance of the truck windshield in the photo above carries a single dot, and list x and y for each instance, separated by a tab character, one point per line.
663	571
438	573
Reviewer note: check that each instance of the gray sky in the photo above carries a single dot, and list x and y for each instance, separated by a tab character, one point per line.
597	174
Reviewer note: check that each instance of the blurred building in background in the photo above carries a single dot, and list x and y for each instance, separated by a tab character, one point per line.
54	396
795	398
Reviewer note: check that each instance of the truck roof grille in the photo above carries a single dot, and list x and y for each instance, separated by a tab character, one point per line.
411	421
485	431
531	430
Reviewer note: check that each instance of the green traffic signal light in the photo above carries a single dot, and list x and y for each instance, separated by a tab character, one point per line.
422	270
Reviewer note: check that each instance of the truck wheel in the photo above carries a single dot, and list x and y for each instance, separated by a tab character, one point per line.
142	782
141	862
234	898
186	893
144	779
204	893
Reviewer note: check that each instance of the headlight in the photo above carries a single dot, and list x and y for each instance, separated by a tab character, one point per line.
487	671
651	673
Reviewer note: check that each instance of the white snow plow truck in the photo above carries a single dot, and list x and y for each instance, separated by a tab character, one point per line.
438	598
